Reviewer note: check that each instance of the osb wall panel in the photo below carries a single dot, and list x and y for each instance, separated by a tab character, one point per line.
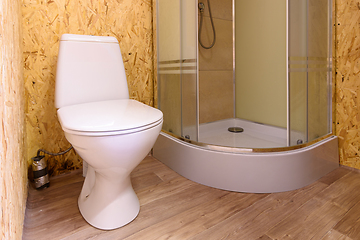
13	171
155	78
130	21
348	81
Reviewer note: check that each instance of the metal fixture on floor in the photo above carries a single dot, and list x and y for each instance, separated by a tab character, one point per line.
39	167
235	129
40	172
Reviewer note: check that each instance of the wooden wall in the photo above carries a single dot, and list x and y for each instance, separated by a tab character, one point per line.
347	81
130	21
13	169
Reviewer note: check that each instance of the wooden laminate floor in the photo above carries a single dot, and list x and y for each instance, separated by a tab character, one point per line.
173	207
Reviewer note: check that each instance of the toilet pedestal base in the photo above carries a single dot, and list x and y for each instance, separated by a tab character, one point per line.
108	203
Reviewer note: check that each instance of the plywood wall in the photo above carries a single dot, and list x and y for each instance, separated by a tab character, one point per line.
155	80
13	171
130	21
347	80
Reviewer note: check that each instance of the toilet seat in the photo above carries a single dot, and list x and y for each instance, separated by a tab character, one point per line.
113	117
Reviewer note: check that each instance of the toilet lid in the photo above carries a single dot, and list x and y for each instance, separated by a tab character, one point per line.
113	115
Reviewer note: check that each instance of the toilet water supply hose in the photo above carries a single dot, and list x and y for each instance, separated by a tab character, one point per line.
53	154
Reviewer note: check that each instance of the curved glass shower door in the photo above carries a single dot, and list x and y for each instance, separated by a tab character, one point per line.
268	74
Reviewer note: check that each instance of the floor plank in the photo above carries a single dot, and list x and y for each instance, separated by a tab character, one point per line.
163	189
200	218
335	235
342	191
350	224
311	221
334	175
173	207
253	222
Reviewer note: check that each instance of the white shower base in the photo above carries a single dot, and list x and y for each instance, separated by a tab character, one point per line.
249	172
255	135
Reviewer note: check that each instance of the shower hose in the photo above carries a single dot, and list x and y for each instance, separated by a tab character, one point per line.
201	8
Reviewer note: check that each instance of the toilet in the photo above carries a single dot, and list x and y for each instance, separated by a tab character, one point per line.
110	132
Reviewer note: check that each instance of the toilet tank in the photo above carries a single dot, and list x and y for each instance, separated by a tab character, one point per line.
89	69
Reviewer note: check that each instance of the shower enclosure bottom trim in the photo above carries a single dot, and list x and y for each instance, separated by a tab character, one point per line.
249	172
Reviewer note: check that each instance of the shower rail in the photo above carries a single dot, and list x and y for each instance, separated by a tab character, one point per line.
246	150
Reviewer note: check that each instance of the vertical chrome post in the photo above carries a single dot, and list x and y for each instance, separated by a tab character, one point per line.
197	76
287	75
234	58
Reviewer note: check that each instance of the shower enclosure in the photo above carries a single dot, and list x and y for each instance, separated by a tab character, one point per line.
253	112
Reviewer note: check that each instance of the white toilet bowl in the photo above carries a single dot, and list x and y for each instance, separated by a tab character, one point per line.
111	132
107	199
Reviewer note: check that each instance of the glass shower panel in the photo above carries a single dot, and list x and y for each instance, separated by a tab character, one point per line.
169	64
309	70
319	68
297	57
189	69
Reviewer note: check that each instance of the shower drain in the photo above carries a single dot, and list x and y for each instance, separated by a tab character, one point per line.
235	129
